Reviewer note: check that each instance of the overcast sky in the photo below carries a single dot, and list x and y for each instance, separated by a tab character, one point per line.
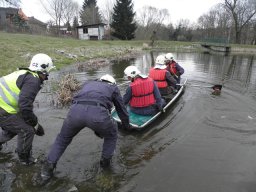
178	9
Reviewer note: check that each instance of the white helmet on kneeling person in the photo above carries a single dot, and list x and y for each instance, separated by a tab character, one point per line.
41	63
160	62
131	71
108	78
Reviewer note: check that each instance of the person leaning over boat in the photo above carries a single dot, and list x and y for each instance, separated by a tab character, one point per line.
18	91
90	108
173	67
142	94
164	80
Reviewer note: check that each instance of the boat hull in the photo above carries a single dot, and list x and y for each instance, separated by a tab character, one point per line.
139	122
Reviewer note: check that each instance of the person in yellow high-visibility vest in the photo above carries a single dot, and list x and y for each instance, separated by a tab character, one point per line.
18	91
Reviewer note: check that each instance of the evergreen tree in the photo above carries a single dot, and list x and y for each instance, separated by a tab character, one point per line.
90	13
19	22
75	23
123	23
68	26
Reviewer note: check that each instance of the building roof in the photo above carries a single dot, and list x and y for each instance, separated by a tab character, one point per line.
35	21
9	8
92	25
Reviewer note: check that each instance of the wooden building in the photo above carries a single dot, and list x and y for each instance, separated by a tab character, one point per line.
91	32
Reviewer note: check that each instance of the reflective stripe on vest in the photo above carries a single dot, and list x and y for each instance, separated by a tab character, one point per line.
142	92
159	75
9	92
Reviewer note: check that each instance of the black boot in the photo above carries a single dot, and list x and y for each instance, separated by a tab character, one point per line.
105	163
1	146
26	158
47	170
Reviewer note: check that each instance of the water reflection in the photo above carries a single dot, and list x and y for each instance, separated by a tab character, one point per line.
207	68
79	166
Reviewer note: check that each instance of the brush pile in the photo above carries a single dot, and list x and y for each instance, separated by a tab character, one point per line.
67	87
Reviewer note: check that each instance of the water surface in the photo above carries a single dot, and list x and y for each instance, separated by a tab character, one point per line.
204	143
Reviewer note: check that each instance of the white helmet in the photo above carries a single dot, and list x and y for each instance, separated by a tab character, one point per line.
108	78
41	62
131	71
169	56
160	62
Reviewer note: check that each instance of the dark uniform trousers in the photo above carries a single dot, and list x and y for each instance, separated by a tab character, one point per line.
80	116
12	125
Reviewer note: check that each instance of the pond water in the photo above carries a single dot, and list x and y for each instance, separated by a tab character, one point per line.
204	143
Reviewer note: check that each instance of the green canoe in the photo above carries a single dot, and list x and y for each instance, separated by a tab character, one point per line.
141	121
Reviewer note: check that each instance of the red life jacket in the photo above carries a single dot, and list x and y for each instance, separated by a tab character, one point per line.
159	75
142	92
172	68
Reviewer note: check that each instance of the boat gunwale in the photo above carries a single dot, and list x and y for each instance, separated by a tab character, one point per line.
140	127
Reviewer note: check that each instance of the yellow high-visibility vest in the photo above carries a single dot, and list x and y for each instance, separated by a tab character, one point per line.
9	92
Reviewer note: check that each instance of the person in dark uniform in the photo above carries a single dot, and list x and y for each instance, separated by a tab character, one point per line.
142	94
18	91
90	108
165	82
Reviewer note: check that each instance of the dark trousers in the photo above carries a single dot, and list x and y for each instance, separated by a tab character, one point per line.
80	116
12	125
166	91
150	110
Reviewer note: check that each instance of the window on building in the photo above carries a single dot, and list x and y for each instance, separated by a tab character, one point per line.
85	30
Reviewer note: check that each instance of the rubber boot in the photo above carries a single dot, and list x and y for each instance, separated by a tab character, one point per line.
105	163
47	170
26	158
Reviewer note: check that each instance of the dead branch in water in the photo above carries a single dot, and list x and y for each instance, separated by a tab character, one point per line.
68	86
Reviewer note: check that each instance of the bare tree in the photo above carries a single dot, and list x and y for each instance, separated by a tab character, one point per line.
107	11
223	23
55	9
150	15
242	11
71	10
253	34
150	19
182	32
213	21
61	11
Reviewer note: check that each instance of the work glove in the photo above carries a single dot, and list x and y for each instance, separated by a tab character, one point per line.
39	130
98	135
30	120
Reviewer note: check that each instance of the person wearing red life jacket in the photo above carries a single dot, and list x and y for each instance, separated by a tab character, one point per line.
164	80
173	67
142	94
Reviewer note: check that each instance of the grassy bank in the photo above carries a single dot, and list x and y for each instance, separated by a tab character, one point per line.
16	50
